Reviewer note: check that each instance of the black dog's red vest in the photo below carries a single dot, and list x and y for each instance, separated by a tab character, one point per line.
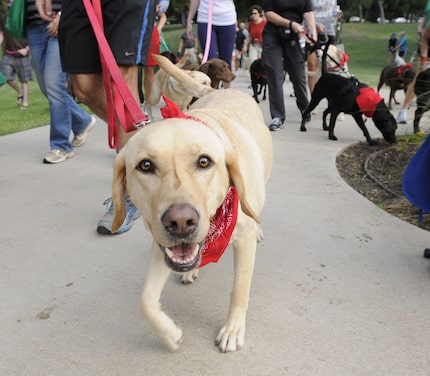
224	221
367	100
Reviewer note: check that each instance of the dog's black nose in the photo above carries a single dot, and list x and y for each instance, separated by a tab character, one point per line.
180	219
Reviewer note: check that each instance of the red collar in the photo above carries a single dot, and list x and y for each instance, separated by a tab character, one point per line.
224	221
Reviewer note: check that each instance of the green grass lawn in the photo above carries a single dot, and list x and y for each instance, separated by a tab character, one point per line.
366	44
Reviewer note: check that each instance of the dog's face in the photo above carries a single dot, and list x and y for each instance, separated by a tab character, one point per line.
385	122
258	72
177	174
217	70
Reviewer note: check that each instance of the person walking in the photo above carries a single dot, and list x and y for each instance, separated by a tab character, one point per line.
66	115
326	14
128	27
221	14
15	62
255	33
282	48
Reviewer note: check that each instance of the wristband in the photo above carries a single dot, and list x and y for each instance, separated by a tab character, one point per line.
423	59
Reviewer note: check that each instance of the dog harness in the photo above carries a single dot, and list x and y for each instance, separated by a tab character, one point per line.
224	221
367	100
402	68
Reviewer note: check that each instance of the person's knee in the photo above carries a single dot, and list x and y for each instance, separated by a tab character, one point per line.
84	88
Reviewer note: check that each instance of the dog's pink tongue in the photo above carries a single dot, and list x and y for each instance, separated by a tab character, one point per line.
183	250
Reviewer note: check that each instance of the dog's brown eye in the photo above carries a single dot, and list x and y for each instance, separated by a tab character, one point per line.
146	166
204	162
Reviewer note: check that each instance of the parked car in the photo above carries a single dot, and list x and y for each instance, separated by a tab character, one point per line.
399	20
379	20
354	19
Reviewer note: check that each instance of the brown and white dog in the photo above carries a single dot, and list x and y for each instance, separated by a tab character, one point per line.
187	175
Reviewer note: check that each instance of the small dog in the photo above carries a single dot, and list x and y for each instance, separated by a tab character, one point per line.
422	91
258	79
197	178
350	96
216	69
397	78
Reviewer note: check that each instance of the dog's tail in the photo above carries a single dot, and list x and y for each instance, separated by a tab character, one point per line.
194	88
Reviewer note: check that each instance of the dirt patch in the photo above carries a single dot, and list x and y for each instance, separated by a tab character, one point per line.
376	172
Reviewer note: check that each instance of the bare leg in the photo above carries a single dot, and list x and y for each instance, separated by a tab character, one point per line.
89	89
312	63
15	87
24	88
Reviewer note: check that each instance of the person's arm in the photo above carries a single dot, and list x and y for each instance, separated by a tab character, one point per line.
424	48
180	47
44	7
309	18
194	4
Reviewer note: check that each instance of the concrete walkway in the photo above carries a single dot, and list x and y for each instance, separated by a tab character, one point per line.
340	286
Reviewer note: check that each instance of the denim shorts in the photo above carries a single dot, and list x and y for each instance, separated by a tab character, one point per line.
128	26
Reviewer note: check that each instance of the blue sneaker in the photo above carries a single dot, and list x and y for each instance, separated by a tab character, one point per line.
105	224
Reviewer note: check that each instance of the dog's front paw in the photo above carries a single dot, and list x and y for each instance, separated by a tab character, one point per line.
303	127
189	277
231	337
332	137
173	338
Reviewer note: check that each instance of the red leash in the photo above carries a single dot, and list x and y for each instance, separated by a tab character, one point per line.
120	101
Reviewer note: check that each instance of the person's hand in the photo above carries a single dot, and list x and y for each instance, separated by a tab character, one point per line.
44	7
321	28
53	26
190	30
23	51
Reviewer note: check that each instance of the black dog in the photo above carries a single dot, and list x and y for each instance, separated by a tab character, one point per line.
343	95
422	91
397	78
258	79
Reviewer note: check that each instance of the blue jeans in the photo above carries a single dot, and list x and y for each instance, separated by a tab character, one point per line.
66	114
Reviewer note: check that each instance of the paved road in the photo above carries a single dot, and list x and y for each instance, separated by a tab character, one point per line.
340	286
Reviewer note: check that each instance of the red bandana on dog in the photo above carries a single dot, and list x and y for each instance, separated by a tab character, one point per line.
223	222
367	101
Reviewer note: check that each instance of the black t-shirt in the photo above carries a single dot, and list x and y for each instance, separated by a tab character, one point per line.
240	40
291	9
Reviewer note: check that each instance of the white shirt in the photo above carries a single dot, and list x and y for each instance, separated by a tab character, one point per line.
223	14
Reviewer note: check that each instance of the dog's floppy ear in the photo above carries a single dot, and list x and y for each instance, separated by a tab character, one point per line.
118	192
236	177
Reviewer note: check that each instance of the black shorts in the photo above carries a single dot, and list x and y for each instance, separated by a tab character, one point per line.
128	28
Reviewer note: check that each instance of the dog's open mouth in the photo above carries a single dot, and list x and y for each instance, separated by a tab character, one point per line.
182	257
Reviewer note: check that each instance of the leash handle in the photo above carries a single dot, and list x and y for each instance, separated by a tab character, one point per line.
120	101
208	32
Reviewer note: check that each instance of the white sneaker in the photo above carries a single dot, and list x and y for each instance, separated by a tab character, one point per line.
401	117
79	139
57	156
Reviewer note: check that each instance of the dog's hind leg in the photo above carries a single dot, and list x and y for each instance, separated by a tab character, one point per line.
326	112
157	276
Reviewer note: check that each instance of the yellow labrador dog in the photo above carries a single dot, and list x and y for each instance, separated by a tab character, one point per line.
174	89
179	172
